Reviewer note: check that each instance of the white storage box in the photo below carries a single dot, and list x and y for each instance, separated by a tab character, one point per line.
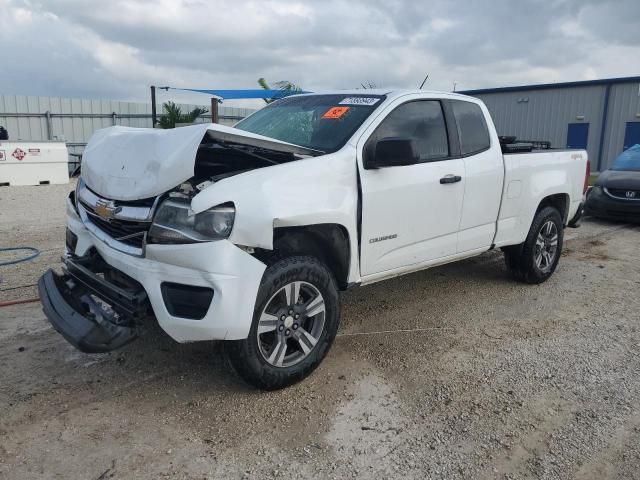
33	163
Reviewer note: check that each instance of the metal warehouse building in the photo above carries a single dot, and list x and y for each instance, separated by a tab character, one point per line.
602	116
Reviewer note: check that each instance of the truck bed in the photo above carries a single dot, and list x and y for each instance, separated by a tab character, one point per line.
532	176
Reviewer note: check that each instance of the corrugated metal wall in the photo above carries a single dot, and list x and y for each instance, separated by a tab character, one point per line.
545	114
624	106
74	120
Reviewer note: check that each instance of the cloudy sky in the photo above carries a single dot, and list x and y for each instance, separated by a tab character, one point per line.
117	48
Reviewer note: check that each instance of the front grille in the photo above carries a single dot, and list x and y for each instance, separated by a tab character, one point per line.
622	194
125	231
124	222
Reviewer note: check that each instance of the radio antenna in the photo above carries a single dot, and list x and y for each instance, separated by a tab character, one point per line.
423	82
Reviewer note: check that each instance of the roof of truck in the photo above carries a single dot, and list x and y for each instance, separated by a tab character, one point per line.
382	91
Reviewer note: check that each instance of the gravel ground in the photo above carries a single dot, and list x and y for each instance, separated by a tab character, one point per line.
34	217
481	378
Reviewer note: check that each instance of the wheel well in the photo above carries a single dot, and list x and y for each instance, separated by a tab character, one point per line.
558	201
329	242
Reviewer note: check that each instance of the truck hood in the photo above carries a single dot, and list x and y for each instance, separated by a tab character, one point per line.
124	163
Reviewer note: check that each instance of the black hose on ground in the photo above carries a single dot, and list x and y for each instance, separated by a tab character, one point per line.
34	253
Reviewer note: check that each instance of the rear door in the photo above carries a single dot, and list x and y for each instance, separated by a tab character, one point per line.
484	176
408	215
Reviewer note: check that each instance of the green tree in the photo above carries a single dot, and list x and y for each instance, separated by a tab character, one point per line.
173	114
285	86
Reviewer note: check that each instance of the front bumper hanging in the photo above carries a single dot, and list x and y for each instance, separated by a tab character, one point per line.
92	313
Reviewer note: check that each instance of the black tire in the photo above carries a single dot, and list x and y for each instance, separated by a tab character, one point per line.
521	259
247	356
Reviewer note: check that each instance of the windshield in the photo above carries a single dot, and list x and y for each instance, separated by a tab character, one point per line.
628	160
320	122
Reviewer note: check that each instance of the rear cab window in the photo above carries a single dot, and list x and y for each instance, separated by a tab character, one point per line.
472	127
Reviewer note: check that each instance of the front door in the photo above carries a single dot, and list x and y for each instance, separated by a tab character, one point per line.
631	135
578	135
411	213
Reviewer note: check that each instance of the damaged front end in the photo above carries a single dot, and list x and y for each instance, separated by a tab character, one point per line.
126	164
135	195
94	307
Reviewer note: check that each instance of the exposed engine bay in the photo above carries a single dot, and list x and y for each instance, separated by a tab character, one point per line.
218	160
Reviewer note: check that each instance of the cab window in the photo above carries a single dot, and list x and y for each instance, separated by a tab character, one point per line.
423	122
472	127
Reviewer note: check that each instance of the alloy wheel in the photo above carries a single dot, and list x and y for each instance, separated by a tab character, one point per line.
291	324
546	248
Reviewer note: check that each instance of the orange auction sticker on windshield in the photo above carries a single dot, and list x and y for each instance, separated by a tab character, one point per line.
335	112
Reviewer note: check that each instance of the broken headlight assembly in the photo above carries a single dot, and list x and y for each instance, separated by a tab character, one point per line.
175	222
76	194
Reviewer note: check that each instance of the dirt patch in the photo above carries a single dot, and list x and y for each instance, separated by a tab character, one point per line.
594	250
597	243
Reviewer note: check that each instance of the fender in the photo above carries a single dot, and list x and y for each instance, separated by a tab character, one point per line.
310	191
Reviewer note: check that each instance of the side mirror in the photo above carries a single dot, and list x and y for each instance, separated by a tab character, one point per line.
390	152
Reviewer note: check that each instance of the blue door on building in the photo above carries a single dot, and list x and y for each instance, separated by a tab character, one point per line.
631	135
577	135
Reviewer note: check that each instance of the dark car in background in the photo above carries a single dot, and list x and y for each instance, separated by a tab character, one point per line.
616	193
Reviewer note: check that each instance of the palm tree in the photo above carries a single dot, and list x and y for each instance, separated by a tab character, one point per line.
285	86
173	115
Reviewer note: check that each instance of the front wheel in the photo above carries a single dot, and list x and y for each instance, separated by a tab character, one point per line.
294	324
535	260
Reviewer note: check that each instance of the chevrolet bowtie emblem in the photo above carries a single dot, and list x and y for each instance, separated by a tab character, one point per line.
106	210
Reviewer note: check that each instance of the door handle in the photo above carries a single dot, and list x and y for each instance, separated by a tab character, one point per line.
450	179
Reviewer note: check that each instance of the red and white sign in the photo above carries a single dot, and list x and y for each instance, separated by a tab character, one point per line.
31	163
19	154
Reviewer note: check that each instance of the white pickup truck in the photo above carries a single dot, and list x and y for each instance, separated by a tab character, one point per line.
247	234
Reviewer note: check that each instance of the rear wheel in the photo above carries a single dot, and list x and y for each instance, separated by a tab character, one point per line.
294	324
535	260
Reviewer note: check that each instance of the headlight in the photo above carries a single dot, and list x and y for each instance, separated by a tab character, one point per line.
595	190
76	198
174	222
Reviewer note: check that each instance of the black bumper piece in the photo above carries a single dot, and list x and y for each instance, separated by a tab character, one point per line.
601	205
70	305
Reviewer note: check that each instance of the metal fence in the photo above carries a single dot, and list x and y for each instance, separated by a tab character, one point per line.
74	120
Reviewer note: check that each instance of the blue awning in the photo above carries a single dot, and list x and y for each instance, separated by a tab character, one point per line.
241	94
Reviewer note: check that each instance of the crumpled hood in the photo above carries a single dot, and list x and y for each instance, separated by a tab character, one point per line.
124	163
